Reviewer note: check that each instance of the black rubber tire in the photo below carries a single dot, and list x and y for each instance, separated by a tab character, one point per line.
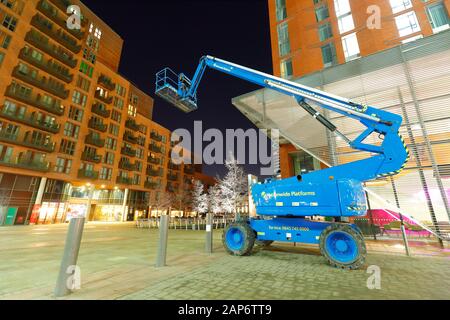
357	236
249	239
263	243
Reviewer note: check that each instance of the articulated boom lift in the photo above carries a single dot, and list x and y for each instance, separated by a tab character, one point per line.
283	206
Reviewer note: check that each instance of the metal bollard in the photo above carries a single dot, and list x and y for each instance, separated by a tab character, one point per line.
70	256
209	234
162	245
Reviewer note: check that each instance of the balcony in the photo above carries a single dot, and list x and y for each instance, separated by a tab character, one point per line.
40	166
153	147
50	67
156	136
127	166
55	108
106	82
39	42
106	100
131	124
59	36
124	180
42	83
91	157
154	173
152	185
39	145
172	177
90	139
128	136
126	151
32	122
30	143
97	125
45	9
154	160
101	110
87	174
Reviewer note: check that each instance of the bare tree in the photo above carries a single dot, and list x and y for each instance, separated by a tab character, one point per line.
233	187
215	200
183	199
163	201
199	198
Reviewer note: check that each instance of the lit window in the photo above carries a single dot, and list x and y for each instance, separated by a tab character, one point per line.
407	24
400	5
132	111
91	28
98	33
283	39
351	47
342	7
346	23
438	17
287	69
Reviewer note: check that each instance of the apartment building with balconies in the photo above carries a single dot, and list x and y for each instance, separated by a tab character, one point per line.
73	131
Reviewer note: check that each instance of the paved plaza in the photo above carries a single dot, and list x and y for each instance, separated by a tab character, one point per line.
117	262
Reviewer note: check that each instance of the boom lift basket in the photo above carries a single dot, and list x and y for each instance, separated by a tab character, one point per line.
168	87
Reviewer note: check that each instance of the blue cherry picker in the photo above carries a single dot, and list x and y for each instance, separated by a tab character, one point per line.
284	207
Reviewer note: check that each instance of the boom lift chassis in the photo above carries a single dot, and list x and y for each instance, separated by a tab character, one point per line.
284	207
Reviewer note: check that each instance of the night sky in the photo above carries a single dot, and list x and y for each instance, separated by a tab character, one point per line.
175	34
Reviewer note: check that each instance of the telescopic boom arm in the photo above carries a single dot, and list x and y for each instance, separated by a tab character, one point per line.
389	158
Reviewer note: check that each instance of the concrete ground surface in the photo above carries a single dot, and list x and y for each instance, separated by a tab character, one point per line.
117	262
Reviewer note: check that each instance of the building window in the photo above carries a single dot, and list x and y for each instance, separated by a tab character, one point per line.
322	13
281	11
83	83
346	23
76	114
67	147
5	40
400	5
342	7
116	116
329	55
118	103
2	57
132	111
287	69
63	165
105	174
351	47
121	91
438	17
325	31
86	69
344	15
109	158
71	130
407	24
9	22
283	39
111	143
114	129
79	98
